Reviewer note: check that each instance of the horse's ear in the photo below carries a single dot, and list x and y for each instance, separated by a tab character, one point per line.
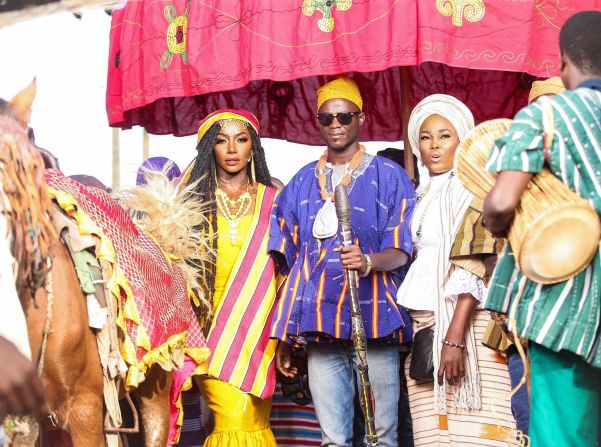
21	103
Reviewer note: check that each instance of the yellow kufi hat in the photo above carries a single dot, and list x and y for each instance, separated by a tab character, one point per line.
551	86
340	88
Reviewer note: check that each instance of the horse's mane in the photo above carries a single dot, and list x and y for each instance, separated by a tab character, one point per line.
24	201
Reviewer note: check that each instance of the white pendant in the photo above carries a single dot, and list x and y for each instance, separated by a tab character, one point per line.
233	235
326	221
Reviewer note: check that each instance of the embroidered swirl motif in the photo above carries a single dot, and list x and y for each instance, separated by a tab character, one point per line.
176	35
326	7
473	10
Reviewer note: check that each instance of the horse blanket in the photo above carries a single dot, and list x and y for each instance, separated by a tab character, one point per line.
154	313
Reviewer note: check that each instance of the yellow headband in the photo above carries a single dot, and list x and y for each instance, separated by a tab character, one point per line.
551	86
340	88
214	117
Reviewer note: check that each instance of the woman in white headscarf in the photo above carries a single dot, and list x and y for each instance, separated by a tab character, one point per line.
443	291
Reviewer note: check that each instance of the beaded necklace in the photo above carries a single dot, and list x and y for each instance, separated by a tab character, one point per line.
346	178
419	199
233	210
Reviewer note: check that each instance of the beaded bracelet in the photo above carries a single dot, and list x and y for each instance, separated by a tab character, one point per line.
454	345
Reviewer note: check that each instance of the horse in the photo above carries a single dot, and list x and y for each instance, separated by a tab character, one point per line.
57	319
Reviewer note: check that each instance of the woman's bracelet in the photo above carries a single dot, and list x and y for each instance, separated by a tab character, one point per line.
454	345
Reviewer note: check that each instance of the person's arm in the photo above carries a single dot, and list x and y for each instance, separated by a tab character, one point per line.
503	199
395	243
451	358
388	259
283	249
21	390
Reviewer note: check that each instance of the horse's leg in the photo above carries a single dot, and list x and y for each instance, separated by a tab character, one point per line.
153	396
72	374
86	422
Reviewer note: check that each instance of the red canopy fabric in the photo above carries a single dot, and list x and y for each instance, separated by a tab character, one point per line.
172	62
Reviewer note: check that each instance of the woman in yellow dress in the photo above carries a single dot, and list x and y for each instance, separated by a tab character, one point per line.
238	379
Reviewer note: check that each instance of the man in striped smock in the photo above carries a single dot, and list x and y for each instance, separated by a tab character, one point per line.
561	321
314	305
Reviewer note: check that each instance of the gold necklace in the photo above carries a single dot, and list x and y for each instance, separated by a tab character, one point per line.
346	178
233	210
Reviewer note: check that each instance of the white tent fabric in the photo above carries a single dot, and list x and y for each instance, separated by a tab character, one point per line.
13	11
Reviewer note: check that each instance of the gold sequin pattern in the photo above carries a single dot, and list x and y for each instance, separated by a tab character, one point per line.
326	8
472	10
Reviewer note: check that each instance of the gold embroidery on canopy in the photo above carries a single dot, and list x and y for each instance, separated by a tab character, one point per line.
176	35
472	10
549	12
489	56
326	8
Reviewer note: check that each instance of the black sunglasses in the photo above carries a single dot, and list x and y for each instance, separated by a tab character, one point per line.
344	118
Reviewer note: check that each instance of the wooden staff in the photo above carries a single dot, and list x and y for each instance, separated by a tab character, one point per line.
366	397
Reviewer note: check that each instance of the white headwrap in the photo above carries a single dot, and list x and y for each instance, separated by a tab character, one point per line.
444	105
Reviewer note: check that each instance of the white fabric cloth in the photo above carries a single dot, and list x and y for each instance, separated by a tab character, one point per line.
418	291
462	281
454	202
337	173
326	221
13	326
424	267
451	108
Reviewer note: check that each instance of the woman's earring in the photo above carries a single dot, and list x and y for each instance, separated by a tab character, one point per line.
253	175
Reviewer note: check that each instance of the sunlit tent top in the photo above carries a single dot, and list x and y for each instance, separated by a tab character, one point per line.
13	11
171	62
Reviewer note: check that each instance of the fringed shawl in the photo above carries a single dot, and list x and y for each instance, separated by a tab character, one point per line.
464	242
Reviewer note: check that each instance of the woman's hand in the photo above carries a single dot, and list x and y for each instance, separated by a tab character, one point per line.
352	258
283	360
451	365
451	358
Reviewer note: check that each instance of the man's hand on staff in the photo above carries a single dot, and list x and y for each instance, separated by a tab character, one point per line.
21	390
283	360
353	258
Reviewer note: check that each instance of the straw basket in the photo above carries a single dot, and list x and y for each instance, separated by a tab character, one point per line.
555	233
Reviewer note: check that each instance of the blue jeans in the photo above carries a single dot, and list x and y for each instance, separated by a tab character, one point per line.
3	438
333	383
520	404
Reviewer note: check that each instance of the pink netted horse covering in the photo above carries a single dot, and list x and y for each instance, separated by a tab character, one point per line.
155	308
154	311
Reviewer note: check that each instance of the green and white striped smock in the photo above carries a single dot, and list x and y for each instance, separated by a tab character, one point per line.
566	315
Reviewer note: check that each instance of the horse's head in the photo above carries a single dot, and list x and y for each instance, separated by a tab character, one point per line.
16	114
19	108
25	203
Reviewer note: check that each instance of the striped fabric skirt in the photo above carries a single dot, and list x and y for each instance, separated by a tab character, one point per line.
493	425
193	433
294	425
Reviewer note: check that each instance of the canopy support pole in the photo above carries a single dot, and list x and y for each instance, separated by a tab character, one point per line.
405	113
145	145
116	159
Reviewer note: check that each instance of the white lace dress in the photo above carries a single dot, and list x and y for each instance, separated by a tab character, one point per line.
418	290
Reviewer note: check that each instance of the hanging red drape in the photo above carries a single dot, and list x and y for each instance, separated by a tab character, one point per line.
172	62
